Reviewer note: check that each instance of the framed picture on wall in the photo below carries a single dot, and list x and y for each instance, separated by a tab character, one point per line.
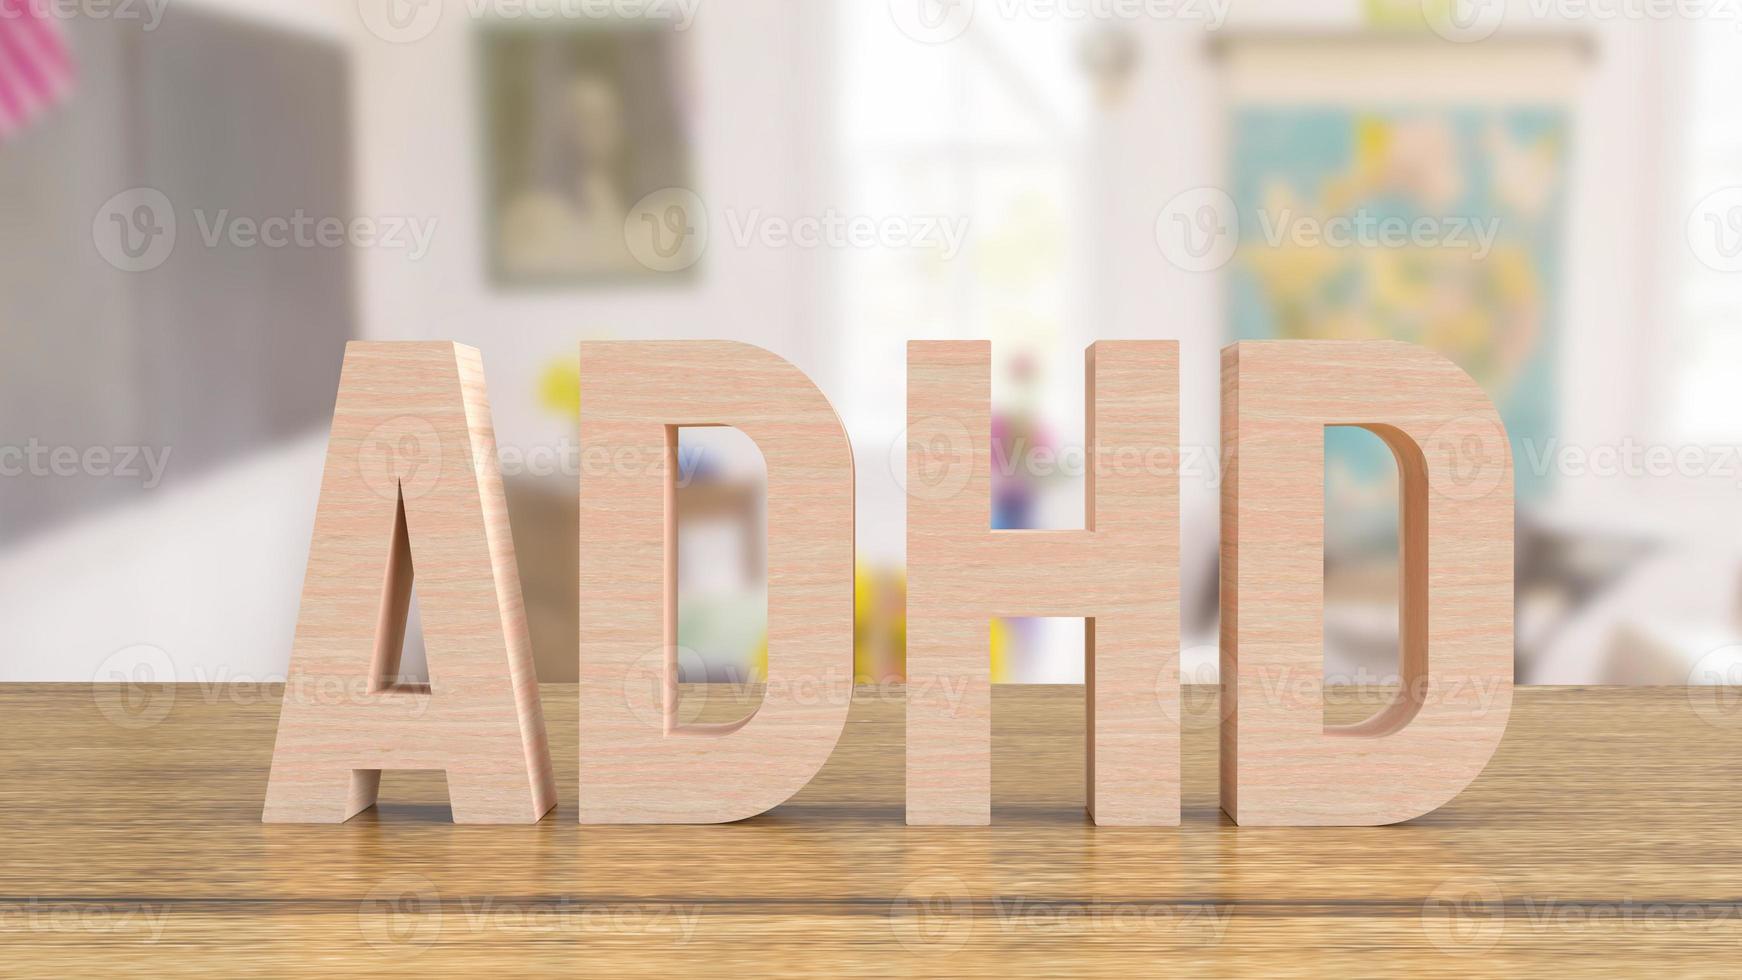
587	137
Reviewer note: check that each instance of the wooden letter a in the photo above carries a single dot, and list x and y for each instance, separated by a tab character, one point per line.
411	481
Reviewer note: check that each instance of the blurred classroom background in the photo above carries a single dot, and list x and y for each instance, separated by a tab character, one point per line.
829	179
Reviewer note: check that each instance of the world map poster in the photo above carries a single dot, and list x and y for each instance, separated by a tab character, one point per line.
1441	226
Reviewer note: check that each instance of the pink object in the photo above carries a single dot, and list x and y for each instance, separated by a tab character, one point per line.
36	69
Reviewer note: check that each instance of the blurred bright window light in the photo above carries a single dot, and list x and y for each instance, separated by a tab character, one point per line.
984	129
1706	400
988	129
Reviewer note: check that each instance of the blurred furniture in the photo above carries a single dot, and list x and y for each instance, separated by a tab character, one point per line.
1654	624
1569	585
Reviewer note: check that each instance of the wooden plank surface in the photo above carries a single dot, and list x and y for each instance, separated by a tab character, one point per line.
1602	839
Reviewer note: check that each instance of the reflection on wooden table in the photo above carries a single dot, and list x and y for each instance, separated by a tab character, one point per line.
1599	840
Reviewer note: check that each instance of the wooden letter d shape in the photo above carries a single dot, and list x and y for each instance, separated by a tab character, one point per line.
638	763
1281	764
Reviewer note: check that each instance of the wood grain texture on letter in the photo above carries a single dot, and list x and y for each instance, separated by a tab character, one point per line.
639	764
1120	573
411	483
1281	765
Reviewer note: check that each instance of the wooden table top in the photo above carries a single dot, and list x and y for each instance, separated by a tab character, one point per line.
1602	838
